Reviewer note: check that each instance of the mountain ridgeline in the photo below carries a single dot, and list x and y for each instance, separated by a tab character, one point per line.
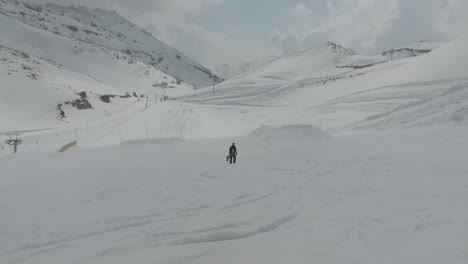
109	29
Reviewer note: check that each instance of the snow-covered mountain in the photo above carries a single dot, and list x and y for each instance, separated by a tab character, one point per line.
229	71
44	76
110	30
302	64
68	65
334	87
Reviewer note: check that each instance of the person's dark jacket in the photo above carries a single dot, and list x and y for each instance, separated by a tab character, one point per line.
233	151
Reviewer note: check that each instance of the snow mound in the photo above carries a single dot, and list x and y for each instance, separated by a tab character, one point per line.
289	132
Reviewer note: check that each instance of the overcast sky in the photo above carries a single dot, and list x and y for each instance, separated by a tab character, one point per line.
232	31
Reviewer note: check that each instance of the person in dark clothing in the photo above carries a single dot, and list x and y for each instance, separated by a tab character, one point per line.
232	153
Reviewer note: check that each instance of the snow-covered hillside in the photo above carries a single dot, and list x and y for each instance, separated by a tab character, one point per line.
109	29
47	66
41	71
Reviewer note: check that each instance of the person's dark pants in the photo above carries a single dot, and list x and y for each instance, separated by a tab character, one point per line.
233	158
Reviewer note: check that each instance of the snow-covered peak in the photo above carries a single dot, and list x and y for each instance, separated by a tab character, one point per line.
337	48
107	28
334	52
318	61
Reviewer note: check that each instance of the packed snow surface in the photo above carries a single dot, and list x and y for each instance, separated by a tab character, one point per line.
393	197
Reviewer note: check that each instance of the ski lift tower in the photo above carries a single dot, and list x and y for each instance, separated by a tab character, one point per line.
14	141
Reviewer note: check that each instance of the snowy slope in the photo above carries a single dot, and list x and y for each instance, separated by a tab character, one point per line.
110	30
446	67
104	64
32	88
229	71
308	63
393	197
43	70
335	89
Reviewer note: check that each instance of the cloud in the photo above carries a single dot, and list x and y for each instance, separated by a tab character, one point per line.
213	48
300	10
287	42
453	19
370	26
367	26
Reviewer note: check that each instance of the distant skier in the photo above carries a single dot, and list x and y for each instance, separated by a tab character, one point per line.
232	153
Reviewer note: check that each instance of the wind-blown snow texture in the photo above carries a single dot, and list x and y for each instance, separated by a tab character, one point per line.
343	158
383	198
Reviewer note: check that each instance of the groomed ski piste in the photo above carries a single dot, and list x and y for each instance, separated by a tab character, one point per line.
342	159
